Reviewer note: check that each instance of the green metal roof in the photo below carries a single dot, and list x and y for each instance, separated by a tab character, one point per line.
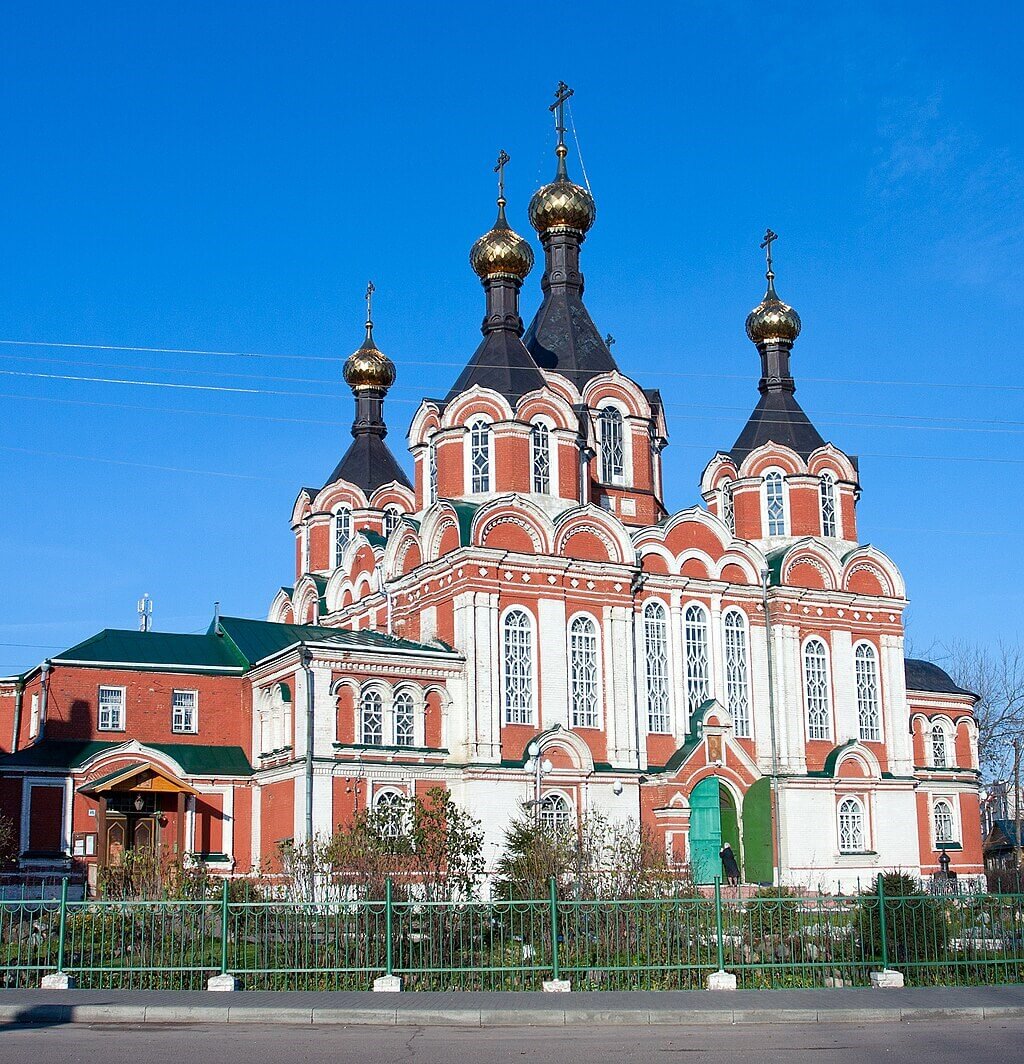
195	759
375	539
164	650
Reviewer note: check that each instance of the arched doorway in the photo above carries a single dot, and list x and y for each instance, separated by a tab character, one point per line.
714	820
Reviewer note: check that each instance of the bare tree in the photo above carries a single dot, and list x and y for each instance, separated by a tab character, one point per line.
996	675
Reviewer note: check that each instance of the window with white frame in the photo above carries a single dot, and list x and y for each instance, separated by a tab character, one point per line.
305	547
540	440
392	515
695	645
185	712
728	507
405	719
869	716
816	690
774	503
111	709
371	719
613	464
480	456
392	809
555	814
944	822
517	667
342	533
583	672
852	838
656	662
33	721
737	680
940	746
829	522
431	472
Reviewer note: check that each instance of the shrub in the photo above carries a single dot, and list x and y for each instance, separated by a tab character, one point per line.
914	921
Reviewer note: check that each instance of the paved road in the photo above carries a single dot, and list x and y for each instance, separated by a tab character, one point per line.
937	1042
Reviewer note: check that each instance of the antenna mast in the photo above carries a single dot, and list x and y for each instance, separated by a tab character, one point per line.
145	611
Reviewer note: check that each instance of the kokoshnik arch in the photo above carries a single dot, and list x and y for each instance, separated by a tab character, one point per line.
733	672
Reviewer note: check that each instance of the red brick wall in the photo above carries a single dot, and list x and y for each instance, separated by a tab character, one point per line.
277	819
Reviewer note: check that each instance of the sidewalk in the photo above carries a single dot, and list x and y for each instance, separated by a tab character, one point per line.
470	1009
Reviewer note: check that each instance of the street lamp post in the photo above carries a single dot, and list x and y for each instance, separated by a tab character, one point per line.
539	768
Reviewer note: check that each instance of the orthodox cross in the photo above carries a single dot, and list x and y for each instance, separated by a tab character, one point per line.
766	244
609	341
499	169
370	289
562	93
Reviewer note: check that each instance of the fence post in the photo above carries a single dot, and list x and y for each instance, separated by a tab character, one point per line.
887	978
720	980
60	980
223	981
556	984
388	982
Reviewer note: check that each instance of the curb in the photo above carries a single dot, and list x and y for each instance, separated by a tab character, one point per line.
54	1014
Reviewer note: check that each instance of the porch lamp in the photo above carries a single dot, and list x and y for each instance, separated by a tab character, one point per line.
944	864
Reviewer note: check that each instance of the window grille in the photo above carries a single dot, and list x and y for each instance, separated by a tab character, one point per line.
517	653
405	719
111	709
612	460
728	507
342	533
945	829
480	455
583	663
371	713
656	660
695	639
184	711
555	814
816	692
851	826
737	684
868	714
775	506
828	505
541	459
940	757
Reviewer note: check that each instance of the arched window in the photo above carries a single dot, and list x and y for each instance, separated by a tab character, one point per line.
816	690
392	515
613	467
695	640
392	813
774	503
940	752
868	715
305	546
342	533
945	825
583	670
371	719
431	473
480	456
728	507
555	814
405	719
517	667
656	661
829	525
851	826
540	439
737	683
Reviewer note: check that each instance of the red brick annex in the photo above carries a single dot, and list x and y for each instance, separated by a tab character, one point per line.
729	672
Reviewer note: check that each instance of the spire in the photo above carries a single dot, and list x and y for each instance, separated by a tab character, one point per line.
562	336
773	326
368	463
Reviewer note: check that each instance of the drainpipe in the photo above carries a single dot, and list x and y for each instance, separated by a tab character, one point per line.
385	591
19	698
305	661
777	828
635	587
44	674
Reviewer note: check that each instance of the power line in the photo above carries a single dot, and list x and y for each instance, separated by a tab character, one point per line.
137	465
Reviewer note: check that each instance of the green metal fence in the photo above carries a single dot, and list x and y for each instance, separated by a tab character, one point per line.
643	944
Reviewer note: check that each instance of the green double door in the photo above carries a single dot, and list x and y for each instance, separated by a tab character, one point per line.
713	821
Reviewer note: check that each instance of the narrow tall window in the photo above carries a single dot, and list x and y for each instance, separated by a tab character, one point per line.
940	757
111	709
405	719
774	503
540	438
945	828
33	721
816	693
583	665
392	516
555	814
737	682
185	712
431	473
828	505
342	533
656	661
371	719
612	461
851	826
517	667
695	639
869	718
480	456
305	547
728	507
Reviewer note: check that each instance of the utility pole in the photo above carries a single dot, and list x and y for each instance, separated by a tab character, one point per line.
1016	809
776	811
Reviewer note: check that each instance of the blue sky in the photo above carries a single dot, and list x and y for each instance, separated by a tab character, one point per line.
225	178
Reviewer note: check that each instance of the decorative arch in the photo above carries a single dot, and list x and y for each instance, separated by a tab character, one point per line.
547	403
599	525
830	459
492	406
768	455
618	388
425	422
513	512
810	553
868	560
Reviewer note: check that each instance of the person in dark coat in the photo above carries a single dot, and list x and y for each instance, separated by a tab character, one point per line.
729	865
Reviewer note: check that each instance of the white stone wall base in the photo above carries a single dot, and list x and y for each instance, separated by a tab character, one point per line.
887	979
387	984
556	986
222	982
721	981
57	981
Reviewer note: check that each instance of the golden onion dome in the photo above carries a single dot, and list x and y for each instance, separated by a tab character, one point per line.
562	204
501	251
773	321
369	367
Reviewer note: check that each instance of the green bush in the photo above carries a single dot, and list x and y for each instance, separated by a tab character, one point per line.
915	924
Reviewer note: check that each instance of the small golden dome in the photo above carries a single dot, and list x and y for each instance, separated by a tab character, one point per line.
369	367
562	204
773	321
501	251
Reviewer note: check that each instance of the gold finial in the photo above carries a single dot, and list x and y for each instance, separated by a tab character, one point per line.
772	321
501	251
562	93
369	367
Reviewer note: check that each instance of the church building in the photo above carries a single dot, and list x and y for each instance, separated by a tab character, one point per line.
525	622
